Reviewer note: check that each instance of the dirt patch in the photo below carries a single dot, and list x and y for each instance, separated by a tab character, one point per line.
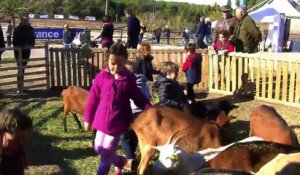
239	128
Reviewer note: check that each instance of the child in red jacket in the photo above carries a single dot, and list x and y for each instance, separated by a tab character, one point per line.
192	69
223	45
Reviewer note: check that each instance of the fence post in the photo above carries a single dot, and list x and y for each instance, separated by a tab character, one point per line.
121	34
20	78
47	65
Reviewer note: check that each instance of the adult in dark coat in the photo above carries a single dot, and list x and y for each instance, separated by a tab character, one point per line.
133	29
2	43
157	34
246	33
200	33
167	32
107	32
23	37
227	22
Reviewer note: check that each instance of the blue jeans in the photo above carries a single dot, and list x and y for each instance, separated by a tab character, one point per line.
129	142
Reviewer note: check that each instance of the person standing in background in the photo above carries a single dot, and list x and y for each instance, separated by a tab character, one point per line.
167	32
9	32
23	37
142	32
107	32
227	22
200	34
157	34
207	31
2	43
185	36
67	37
246	33
133	29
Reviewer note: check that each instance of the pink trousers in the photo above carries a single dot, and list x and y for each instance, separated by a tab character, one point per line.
106	146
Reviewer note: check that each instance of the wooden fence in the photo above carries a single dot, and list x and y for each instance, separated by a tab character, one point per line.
35	74
161	55
273	77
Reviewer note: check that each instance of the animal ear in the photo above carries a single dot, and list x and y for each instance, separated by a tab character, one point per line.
158	148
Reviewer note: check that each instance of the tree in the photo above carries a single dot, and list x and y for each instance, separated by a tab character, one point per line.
14	8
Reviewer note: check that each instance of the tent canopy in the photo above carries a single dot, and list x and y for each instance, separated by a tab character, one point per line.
266	13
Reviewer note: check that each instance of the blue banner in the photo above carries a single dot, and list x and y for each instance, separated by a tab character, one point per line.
52	33
43	16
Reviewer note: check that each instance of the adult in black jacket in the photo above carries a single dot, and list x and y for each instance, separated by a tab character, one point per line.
200	33
23	37
107	32
2	44
133	29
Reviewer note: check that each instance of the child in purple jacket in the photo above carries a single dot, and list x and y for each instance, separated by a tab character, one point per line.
108	108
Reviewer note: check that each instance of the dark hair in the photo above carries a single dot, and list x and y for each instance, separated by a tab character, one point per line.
169	66
190	47
128	11
118	49
106	19
12	119
224	33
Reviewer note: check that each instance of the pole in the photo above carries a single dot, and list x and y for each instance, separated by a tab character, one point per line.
106	4
117	10
153	7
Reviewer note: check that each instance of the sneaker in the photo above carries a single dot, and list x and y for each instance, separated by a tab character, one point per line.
128	165
118	171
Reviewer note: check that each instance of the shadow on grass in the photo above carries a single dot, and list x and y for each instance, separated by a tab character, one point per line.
42	149
238	130
42	152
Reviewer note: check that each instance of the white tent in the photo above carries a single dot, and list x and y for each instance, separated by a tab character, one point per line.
266	13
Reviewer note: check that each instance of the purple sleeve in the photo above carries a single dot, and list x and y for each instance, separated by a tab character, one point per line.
93	100
137	96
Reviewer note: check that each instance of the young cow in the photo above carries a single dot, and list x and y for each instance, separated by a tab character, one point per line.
155	125
74	99
266	123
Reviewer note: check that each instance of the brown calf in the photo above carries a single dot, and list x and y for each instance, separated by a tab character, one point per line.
74	99
249	156
156	125
266	123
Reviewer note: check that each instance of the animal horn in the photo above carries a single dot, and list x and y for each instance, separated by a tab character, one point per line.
174	140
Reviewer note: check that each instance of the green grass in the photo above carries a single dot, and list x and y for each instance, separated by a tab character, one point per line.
50	149
72	151
8	59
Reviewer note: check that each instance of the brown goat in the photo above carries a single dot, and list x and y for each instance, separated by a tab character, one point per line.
266	123
249	156
154	126
74	99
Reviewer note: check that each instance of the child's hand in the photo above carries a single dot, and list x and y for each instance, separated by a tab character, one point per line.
87	126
